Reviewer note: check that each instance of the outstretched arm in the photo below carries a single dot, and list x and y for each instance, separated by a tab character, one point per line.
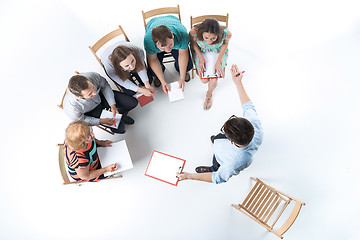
205	177
237	76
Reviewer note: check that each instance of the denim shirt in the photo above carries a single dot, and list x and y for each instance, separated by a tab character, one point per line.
233	159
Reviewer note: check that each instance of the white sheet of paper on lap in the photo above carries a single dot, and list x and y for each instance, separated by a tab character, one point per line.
210	59
118	153
175	92
109	114
164	167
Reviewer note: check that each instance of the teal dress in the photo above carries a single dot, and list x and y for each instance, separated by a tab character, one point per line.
205	47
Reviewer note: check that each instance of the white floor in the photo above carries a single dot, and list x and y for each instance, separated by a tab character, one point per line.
302	72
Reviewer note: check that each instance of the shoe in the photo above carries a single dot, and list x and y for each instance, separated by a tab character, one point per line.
202	169
128	120
187	77
212	138
157	82
120	130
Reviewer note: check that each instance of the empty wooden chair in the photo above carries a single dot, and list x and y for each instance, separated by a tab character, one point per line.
263	201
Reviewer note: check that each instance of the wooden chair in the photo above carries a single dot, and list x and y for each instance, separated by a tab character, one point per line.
194	20
263	201
168	58
61	105
100	43
63	171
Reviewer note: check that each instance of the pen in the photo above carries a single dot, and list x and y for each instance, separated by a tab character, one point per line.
153	91
239	74
114	122
179	171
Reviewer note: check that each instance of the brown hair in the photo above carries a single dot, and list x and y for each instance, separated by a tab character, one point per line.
210	25
118	55
160	34
78	83
239	130
76	135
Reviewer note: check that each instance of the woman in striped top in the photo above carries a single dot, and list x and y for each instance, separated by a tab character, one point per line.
81	155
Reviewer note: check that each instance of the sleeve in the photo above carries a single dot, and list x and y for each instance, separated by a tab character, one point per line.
106	89
249	111
185	39
148	43
223	174
74	113
143	75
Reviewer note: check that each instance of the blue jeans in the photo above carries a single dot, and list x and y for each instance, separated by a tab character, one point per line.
175	54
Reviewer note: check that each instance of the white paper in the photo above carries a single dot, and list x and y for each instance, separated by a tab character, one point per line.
164	167
210	59
109	114
118	153
175	92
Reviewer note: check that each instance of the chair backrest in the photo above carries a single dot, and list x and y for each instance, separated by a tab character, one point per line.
106	39
161	11
263	201
62	166
199	19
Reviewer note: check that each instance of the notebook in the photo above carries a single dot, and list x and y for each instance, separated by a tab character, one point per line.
118	153
175	93
143	100
210	59
164	167
109	114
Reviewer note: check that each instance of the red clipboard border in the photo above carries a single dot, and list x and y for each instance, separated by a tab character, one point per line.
159	178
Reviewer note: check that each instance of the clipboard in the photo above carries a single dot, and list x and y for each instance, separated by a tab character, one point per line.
210	59
163	167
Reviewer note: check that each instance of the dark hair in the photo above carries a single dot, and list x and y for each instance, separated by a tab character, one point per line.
160	34
78	83
118	55
210	25
239	130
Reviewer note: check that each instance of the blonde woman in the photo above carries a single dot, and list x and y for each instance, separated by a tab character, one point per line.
81	155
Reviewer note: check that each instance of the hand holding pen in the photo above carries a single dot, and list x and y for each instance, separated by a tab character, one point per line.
236	74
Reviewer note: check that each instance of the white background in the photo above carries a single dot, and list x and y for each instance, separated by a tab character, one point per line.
302	72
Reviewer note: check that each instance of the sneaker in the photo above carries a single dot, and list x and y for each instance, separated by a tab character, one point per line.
128	120
187	77
157	82
202	169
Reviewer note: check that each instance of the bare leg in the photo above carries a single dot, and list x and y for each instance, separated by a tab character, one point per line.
208	99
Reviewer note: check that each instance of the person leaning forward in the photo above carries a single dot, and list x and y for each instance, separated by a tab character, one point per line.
89	93
166	34
235	146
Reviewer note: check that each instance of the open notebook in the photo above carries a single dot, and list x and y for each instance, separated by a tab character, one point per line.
118	153
109	114
164	167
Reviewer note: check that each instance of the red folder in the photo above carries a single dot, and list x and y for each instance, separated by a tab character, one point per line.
143	100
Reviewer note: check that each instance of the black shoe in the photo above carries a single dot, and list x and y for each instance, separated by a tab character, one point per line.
187	77
202	169
128	120
120	130
157	82
212	138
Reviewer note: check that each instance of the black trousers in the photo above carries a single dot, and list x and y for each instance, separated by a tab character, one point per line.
216	165
124	103
175	54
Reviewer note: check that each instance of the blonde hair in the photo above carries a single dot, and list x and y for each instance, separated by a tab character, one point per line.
76	135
